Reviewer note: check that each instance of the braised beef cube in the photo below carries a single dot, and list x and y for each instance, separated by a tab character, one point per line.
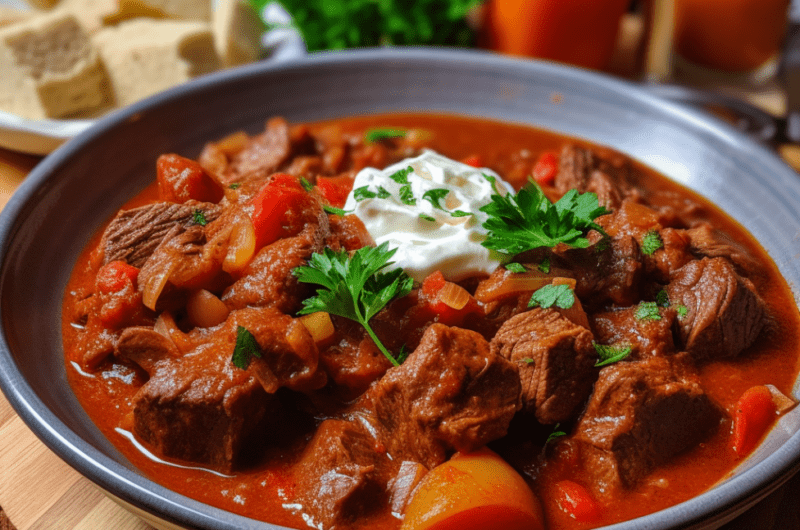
586	171
288	354
263	153
134	234
200	408
724	313
339	474
640	415
555	358
145	347
610	270
268	280
707	241
646	337
674	253
451	394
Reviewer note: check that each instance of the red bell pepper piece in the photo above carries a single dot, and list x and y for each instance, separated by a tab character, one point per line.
755	413
576	501
277	208
181	179
545	170
335	189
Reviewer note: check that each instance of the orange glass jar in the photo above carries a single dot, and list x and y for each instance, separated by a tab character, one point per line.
730	35
579	32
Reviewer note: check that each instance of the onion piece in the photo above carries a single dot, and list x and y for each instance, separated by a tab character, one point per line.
205	310
511	284
241	246
781	400
319	325
454	296
155	283
165	325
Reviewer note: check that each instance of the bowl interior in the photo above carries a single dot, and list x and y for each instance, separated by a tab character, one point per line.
71	193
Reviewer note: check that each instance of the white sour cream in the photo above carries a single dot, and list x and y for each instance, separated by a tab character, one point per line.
449	244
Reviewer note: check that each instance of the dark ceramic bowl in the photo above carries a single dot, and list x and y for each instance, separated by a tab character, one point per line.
67	197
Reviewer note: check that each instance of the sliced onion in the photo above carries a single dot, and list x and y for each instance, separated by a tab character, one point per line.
781	400
233	143
571	282
241	246
155	283
454	296
165	325
512	283
205	310
319	325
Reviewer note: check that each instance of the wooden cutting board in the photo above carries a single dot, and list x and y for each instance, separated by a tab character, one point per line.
38	491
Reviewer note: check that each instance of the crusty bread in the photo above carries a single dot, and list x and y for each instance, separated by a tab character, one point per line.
96	14
147	56
237	32
50	69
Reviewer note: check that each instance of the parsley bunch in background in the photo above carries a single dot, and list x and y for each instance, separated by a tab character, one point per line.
338	24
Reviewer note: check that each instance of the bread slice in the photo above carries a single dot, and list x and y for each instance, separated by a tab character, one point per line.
96	14
237	32
145	56
50	69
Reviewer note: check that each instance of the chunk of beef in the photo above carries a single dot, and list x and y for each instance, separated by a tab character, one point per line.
725	313
145	347
555	358
200	408
134	234
584	170
451	394
339	477
610	270
706	241
268	280
289	355
640	415
674	254
646	338
263	153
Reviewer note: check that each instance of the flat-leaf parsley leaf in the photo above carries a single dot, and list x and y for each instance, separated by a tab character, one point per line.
435	197
553	295
651	242
376	135
353	286
199	218
610	354
245	349
528	220
516	267
647	311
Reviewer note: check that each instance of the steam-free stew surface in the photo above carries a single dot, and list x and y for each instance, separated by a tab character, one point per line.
265	489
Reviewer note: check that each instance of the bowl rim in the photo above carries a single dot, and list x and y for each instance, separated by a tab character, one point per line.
716	506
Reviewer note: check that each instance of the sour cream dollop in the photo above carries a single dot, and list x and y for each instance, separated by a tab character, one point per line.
448	243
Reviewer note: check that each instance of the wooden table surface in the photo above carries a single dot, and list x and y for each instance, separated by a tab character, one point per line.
38	491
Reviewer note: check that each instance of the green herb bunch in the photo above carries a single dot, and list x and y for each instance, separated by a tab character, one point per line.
338	24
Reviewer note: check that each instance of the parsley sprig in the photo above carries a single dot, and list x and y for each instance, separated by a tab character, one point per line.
353	286
610	354
651	242
528	220
553	295
245	349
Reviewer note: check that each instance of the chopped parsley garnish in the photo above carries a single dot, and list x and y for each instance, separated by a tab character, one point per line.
662	298
376	135
460	213
682	311
402	355
235	185
528	220
516	267
435	197
407	196
383	193
199	218
528	360
544	266
555	434
245	349
647	311
651	242
427	217
306	184
553	295
333	210
401	175
492	180
610	354
353	286
363	192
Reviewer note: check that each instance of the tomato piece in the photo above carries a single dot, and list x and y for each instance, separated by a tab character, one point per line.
115	276
432	284
335	189
181	179
278	209
755	413
437	299
473	160
475	491
576	501
545	170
